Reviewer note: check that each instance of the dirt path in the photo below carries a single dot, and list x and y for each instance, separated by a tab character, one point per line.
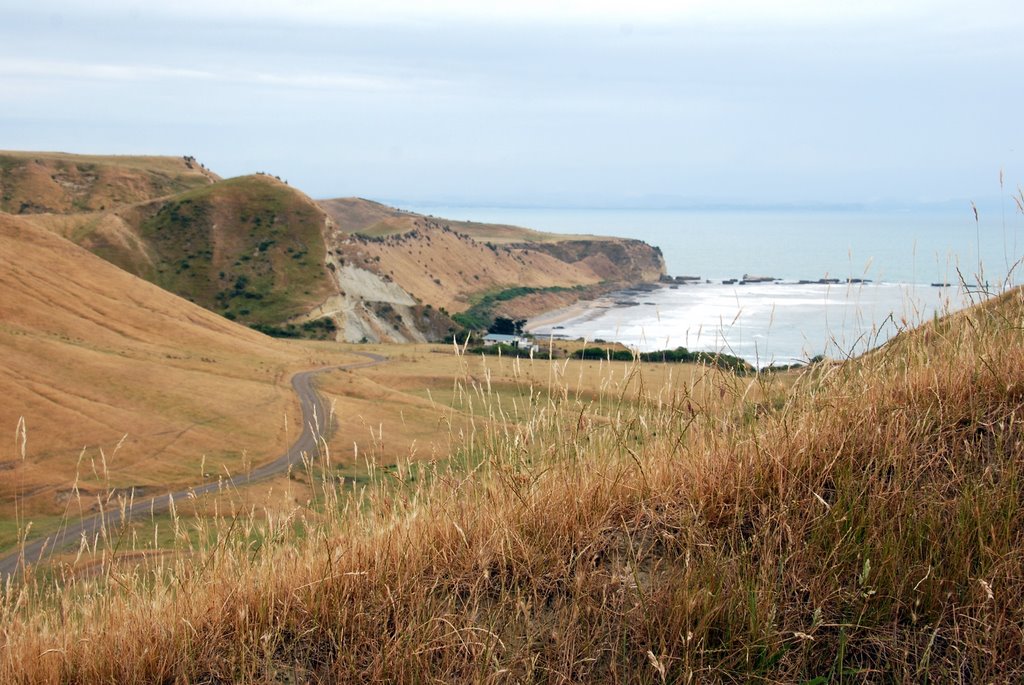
313	425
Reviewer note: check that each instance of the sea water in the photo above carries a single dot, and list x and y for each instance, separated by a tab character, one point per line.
900	254
765	323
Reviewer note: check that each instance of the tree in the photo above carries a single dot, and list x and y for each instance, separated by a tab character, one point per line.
503	326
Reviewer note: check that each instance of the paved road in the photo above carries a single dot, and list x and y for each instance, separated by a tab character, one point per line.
313	413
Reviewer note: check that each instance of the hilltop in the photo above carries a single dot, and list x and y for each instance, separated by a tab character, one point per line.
58	182
375	220
249	248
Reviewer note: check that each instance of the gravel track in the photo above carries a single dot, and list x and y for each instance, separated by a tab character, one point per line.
313	412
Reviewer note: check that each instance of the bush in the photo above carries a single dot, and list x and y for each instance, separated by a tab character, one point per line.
678	355
318	329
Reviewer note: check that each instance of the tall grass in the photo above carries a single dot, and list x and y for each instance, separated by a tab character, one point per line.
863	522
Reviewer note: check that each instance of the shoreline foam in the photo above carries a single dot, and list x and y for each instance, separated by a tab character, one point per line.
762	323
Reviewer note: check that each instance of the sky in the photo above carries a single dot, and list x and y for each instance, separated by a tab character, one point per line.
645	103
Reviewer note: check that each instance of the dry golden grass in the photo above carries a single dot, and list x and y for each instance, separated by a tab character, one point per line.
121	384
61	182
356	215
424	403
860	523
446	268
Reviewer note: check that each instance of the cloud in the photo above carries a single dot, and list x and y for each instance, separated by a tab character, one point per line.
53	69
14	69
724	98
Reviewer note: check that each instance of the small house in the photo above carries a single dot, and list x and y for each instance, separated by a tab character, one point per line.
503	339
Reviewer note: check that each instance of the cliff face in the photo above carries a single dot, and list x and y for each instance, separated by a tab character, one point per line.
619	259
447	269
369	307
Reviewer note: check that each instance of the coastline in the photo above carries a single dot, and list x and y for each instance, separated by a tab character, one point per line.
765	323
584	310
578	310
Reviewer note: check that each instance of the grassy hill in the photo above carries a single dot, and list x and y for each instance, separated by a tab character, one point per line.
457	264
57	182
259	252
860	523
249	248
121	384
262	253
375	220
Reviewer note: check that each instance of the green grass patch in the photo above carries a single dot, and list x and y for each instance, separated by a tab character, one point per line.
481	314
318	329
268	265
679	355
11	531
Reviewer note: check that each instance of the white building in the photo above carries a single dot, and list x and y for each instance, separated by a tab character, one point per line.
503	339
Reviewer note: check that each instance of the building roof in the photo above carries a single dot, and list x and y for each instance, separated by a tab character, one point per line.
501	338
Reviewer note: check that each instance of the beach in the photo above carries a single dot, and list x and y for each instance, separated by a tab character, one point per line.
763	323
579	311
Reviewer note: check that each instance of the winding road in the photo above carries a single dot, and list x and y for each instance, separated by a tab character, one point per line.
313	413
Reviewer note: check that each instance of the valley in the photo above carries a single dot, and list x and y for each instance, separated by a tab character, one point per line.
138	298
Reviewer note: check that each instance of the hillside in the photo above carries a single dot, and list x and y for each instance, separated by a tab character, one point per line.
454	264
262	253
122	384
250	248
375	220
254	250
57	182
861	522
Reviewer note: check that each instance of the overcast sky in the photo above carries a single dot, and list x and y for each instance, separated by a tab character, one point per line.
591	103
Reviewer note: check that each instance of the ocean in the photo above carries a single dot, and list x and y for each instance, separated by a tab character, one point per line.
764	323
900	254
